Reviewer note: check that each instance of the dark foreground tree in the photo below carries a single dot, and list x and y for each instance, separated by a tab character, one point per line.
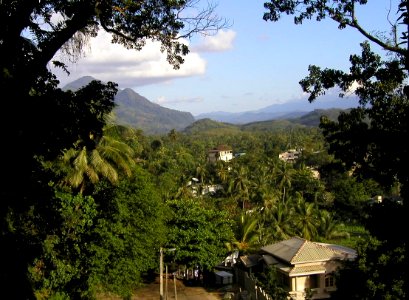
29	210
42	120
368	140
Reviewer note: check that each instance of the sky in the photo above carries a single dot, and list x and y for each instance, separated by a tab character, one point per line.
249	65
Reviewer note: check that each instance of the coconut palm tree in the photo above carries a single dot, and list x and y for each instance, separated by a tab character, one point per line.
222	171
246	237
279	221
283	176
239	185
306	217
259	185
109	156
329	228
201	173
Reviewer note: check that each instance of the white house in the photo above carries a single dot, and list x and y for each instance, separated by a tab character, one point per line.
221	152
306	265
290	155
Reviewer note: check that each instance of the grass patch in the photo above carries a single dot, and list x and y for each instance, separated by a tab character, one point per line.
356	233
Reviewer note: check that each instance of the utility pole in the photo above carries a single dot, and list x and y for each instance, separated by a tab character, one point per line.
161	270
161	273
166	286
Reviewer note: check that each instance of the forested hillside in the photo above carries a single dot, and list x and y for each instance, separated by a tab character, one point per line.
136	111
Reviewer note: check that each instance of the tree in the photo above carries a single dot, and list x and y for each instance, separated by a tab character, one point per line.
130	228
260	191
368	138
108	158
26	194
306	219
304	181
131	23
350	197
47	119
222	171
279	222
57	270
199	234
273	284
82	245
371	146
246	237
373	276
283	174
329	228
239	184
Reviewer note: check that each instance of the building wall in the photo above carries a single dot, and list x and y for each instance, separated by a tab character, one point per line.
317	285
226	155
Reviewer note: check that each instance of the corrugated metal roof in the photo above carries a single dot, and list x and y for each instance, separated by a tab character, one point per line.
250	260
270	260
298	250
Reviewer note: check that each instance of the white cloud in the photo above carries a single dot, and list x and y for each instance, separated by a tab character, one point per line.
352	88
222	41
130	68
162	100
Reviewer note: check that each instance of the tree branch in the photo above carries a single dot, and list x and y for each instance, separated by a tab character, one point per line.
354	24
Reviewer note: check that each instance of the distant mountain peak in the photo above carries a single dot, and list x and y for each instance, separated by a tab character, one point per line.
78	83
136	111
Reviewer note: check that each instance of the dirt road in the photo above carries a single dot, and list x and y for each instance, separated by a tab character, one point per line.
183	292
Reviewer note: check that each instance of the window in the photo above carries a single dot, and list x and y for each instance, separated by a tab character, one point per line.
329	280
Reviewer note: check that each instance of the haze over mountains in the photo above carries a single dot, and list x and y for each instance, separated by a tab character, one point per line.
286	110
138	112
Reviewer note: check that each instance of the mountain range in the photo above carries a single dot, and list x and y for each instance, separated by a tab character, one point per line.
138	112
288	110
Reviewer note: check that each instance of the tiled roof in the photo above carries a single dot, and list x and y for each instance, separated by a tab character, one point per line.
294	270
223	148
298	250
305	270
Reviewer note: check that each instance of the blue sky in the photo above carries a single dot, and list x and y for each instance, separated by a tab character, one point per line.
247	66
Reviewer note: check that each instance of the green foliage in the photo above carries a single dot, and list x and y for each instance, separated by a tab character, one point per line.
350	197
198	233
377	273
210	127
62	265
356	233
246	236
129	232
273	284
367	140
306	219
109	159
313	118
278	222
